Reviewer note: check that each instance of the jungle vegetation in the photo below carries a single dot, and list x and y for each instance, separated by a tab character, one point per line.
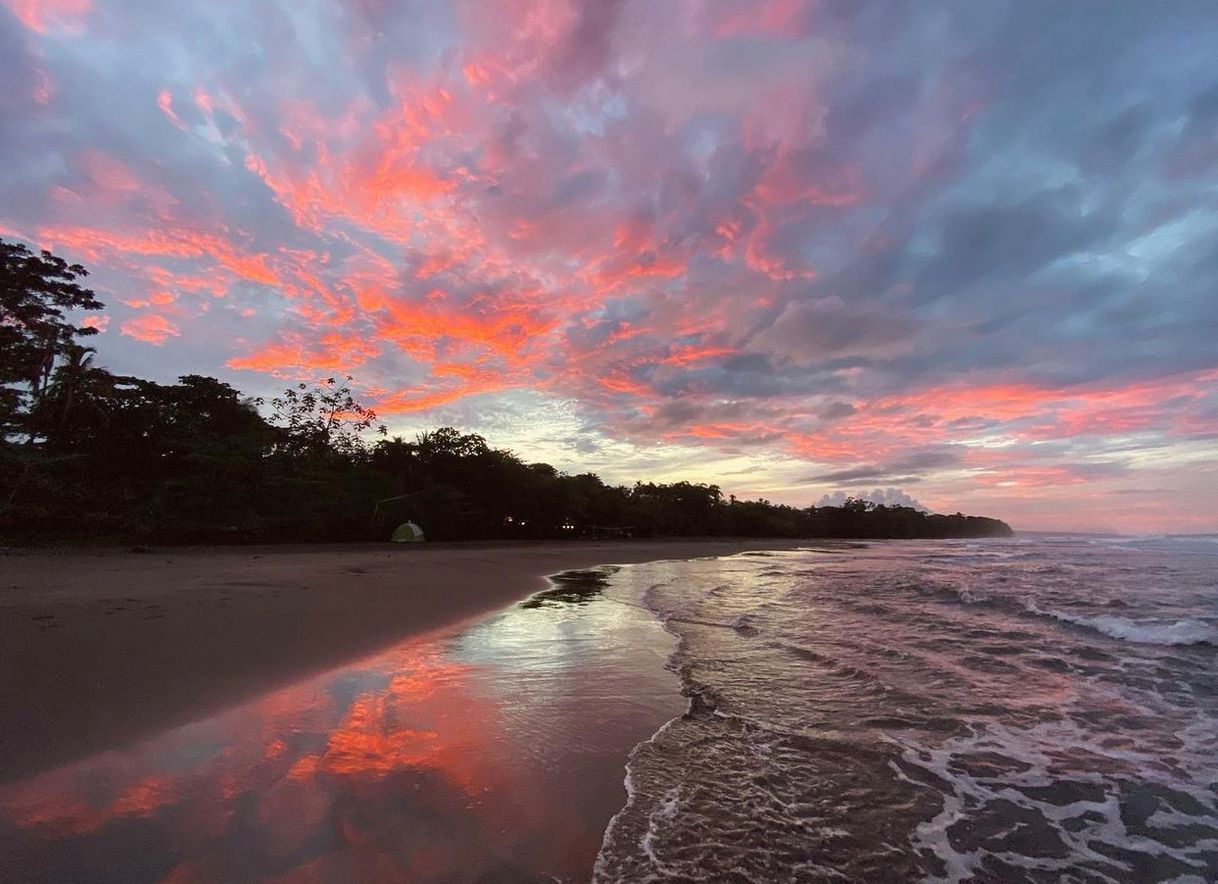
88	455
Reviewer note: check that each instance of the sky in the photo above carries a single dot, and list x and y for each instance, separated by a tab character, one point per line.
963	254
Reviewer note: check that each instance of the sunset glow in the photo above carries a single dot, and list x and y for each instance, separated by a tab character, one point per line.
398	766
793	247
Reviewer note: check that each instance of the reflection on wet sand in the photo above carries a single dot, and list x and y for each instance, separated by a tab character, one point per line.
422	763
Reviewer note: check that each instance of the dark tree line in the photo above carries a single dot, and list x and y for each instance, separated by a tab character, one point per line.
89	455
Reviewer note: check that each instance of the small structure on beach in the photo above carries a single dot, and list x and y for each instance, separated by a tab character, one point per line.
407	532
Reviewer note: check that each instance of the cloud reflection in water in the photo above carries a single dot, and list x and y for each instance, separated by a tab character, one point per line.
495	753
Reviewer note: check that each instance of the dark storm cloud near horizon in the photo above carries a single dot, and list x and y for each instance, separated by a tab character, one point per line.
832	239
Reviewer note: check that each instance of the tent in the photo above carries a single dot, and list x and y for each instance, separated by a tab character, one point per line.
407	532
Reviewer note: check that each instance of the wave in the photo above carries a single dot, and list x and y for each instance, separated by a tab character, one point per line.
601	868
1173	544
975	759
1184	631
1178	632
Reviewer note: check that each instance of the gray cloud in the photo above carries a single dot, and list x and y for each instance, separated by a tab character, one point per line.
901	468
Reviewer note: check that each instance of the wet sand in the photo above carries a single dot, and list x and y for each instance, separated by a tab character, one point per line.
492	751
100	648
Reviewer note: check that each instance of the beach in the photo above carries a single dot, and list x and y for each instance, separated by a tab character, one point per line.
99	648
1007	709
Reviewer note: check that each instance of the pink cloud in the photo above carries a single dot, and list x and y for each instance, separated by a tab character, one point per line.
774	18
164	100
151	328
712	227
46	15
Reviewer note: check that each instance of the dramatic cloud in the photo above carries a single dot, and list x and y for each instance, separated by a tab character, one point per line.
781	245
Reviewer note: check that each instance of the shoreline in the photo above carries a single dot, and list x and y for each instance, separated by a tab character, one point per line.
101	647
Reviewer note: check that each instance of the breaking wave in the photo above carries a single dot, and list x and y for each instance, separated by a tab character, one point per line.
1178	632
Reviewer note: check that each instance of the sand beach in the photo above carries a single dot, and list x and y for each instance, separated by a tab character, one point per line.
100	647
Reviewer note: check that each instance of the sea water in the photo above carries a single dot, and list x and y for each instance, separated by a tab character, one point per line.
1035	709
1019	710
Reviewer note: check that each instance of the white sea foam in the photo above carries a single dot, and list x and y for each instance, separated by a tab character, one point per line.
1151	632
601	868
1039	748
664	812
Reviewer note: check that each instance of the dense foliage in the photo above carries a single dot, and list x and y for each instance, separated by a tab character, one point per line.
86	454
35	292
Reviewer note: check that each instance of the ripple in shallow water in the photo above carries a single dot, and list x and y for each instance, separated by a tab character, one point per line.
927	711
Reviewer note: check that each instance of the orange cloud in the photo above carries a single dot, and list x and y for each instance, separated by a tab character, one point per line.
407	402
723	431
151	328
886	427
332	352
251	267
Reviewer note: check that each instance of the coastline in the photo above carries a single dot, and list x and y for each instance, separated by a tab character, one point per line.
99	648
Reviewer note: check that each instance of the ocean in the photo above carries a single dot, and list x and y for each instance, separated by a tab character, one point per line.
1018	710
1026	709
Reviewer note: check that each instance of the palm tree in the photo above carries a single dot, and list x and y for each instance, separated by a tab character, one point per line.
76	383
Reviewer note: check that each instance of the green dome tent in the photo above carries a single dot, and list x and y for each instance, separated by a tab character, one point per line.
407	532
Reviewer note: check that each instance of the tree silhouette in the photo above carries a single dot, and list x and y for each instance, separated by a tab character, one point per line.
36	291
322	420
118	457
